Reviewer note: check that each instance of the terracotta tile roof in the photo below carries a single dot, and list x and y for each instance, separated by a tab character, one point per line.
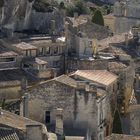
25	46
4	51
8	134
15	121
8	54
66	80
103	77
122	137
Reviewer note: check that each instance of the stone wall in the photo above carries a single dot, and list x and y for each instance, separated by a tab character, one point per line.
84	64
134	120
124	24
126	15
8	92
80	108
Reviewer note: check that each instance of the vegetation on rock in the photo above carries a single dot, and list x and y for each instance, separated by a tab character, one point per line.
42	6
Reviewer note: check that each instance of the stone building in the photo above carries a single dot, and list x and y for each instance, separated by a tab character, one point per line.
78	99
134	119
43	54
9	58
126	13
81	33
22	128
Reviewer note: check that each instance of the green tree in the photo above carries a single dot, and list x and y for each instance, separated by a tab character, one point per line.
62	5
79	8
70	11
98	18
117	127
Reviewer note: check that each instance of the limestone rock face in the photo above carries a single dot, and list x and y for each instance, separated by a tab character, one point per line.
19	15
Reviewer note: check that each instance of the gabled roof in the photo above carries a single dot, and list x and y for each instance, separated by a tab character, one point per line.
66	80
102	77
8	134
25	46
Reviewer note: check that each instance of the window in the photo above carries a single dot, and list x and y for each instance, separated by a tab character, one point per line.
56	63
47	117
56	50
7	59
47	50
41	51
42	67
28	52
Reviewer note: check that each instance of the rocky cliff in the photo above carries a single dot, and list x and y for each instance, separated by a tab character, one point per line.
19	15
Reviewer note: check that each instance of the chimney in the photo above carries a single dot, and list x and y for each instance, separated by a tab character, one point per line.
25	105
75	15
34	132
59	121
52	28
126	40
24	83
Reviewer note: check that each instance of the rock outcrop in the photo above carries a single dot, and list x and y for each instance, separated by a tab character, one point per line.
31	15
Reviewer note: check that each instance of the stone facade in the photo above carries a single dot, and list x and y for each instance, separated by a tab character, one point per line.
24	128
80	107
126	13
134	114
